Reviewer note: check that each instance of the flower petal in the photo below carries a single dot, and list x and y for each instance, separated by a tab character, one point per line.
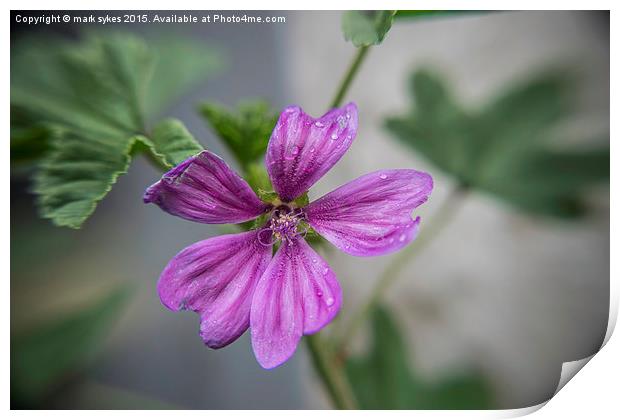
298	294
216	278
302	149
372	214
205	189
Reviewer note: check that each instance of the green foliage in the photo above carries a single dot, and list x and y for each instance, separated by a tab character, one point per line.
77	174
506	148
173	143
245	130
402	15
93	94
382	379
41	358
80	170
29	139
365	28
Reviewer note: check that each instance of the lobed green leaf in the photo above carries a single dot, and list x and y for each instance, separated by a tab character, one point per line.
383	379
96	96
507	147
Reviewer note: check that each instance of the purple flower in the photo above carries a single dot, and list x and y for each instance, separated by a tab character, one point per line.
233	281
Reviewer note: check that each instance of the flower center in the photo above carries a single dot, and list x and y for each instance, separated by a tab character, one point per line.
283	225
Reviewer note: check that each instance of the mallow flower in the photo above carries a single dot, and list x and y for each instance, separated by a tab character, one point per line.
234	281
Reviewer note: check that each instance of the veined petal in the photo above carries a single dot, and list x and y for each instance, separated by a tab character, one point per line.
205	189
372	214
298	294
302	149
216	278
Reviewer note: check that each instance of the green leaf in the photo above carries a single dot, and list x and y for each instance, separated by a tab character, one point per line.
506	148
245	130
365	28
402	15
78	173
45	355
80	170
93	94
173	143
96	86
382	379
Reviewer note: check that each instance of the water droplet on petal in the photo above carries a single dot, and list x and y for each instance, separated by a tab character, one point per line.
319	124
325	270
314	260
383	176
402	238
329	301
334	136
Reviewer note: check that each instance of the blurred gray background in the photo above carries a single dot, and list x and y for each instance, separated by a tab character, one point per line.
510	294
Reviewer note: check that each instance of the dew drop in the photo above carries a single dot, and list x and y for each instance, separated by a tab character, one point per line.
325	270
383	176
402	238
329	301
334	136
341	122
314	260
319	124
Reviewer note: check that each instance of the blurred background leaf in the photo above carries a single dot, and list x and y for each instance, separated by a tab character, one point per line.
366	27
44	356
245	131
383	380
506	148
404	15
29	138
93	93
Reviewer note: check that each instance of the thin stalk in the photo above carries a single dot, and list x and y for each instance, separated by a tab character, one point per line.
392	273
349	76
326	365
330	374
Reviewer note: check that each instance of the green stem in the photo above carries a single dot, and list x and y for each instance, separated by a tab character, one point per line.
350	75
391	274
328	368
330	373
